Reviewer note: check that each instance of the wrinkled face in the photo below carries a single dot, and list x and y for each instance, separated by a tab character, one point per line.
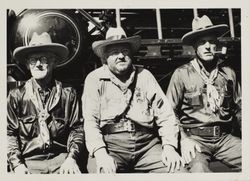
41	64
206	47
118	58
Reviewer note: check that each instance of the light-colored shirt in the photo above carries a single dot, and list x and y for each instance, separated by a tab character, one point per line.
187	93
106	97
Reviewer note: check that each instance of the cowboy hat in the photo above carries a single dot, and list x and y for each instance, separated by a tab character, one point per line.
39	43
116	36
202	26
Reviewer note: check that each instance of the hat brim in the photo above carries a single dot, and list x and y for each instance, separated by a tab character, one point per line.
99	46
190	37
20	54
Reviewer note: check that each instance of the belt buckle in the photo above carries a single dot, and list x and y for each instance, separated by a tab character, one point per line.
129	126
216	131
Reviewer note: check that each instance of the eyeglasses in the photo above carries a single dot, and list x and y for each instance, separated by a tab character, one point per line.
43	60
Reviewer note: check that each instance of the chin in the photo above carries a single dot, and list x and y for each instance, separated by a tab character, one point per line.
208	59
39	75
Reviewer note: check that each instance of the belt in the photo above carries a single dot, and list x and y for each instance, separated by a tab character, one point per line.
124	125
208	131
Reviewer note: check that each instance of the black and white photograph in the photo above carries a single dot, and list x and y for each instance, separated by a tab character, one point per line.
125	91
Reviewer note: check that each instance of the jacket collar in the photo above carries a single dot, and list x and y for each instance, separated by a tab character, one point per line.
32	90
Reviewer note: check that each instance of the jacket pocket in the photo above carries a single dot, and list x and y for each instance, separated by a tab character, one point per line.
57	126
29	126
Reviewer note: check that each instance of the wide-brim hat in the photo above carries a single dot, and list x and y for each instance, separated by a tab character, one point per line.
203	26
116	36
41	43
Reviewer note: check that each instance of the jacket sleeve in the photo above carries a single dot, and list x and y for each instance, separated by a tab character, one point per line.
76	138
13	150
91	113
164	115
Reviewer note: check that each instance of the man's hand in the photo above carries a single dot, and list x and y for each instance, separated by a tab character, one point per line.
104	162
21	169
188	149
171	158
69	166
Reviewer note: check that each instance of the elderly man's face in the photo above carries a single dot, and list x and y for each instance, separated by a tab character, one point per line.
118	58
206	47
41	64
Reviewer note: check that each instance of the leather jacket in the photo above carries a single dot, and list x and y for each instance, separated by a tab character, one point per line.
63	122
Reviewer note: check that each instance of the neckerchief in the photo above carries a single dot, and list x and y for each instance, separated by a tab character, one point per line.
213	96
32	90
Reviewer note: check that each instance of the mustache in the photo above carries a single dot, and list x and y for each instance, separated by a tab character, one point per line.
38	69
118	60
209	52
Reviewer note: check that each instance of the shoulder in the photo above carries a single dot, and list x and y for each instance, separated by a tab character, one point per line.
228	71
66	88
183	70
142	72
18	91
96	74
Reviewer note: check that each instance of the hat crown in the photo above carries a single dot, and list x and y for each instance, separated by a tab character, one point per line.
42	39
201	23
115	33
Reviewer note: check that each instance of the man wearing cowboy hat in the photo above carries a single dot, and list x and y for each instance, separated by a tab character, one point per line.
205	95
45	134
122	105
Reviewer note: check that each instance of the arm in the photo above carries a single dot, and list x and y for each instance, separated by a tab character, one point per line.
168	127
14	154
91	113
94	138
76	136
175	94
237	99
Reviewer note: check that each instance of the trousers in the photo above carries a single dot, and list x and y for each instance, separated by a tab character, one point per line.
226	149
135	152
46	165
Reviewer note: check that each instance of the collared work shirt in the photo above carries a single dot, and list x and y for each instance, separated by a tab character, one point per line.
188	96
106	97
23	132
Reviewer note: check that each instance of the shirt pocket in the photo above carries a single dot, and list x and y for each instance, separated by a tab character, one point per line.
194	98
29	126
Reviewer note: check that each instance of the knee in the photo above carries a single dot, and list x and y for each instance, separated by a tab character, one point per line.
198	167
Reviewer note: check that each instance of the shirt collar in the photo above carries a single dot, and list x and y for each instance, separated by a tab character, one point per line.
108	75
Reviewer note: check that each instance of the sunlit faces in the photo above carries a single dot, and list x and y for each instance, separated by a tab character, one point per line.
118	58
41	64
206	47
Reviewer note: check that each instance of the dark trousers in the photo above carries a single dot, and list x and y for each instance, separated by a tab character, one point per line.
45	165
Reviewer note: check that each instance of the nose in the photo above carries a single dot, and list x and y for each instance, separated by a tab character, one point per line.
207	45
121	55
38	63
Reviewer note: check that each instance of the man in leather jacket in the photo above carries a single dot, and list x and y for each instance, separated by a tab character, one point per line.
44	131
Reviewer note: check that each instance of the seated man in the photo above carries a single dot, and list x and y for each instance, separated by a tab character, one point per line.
122	105
45	134
205	95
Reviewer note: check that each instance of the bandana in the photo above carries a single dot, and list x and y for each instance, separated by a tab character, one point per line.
213	96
